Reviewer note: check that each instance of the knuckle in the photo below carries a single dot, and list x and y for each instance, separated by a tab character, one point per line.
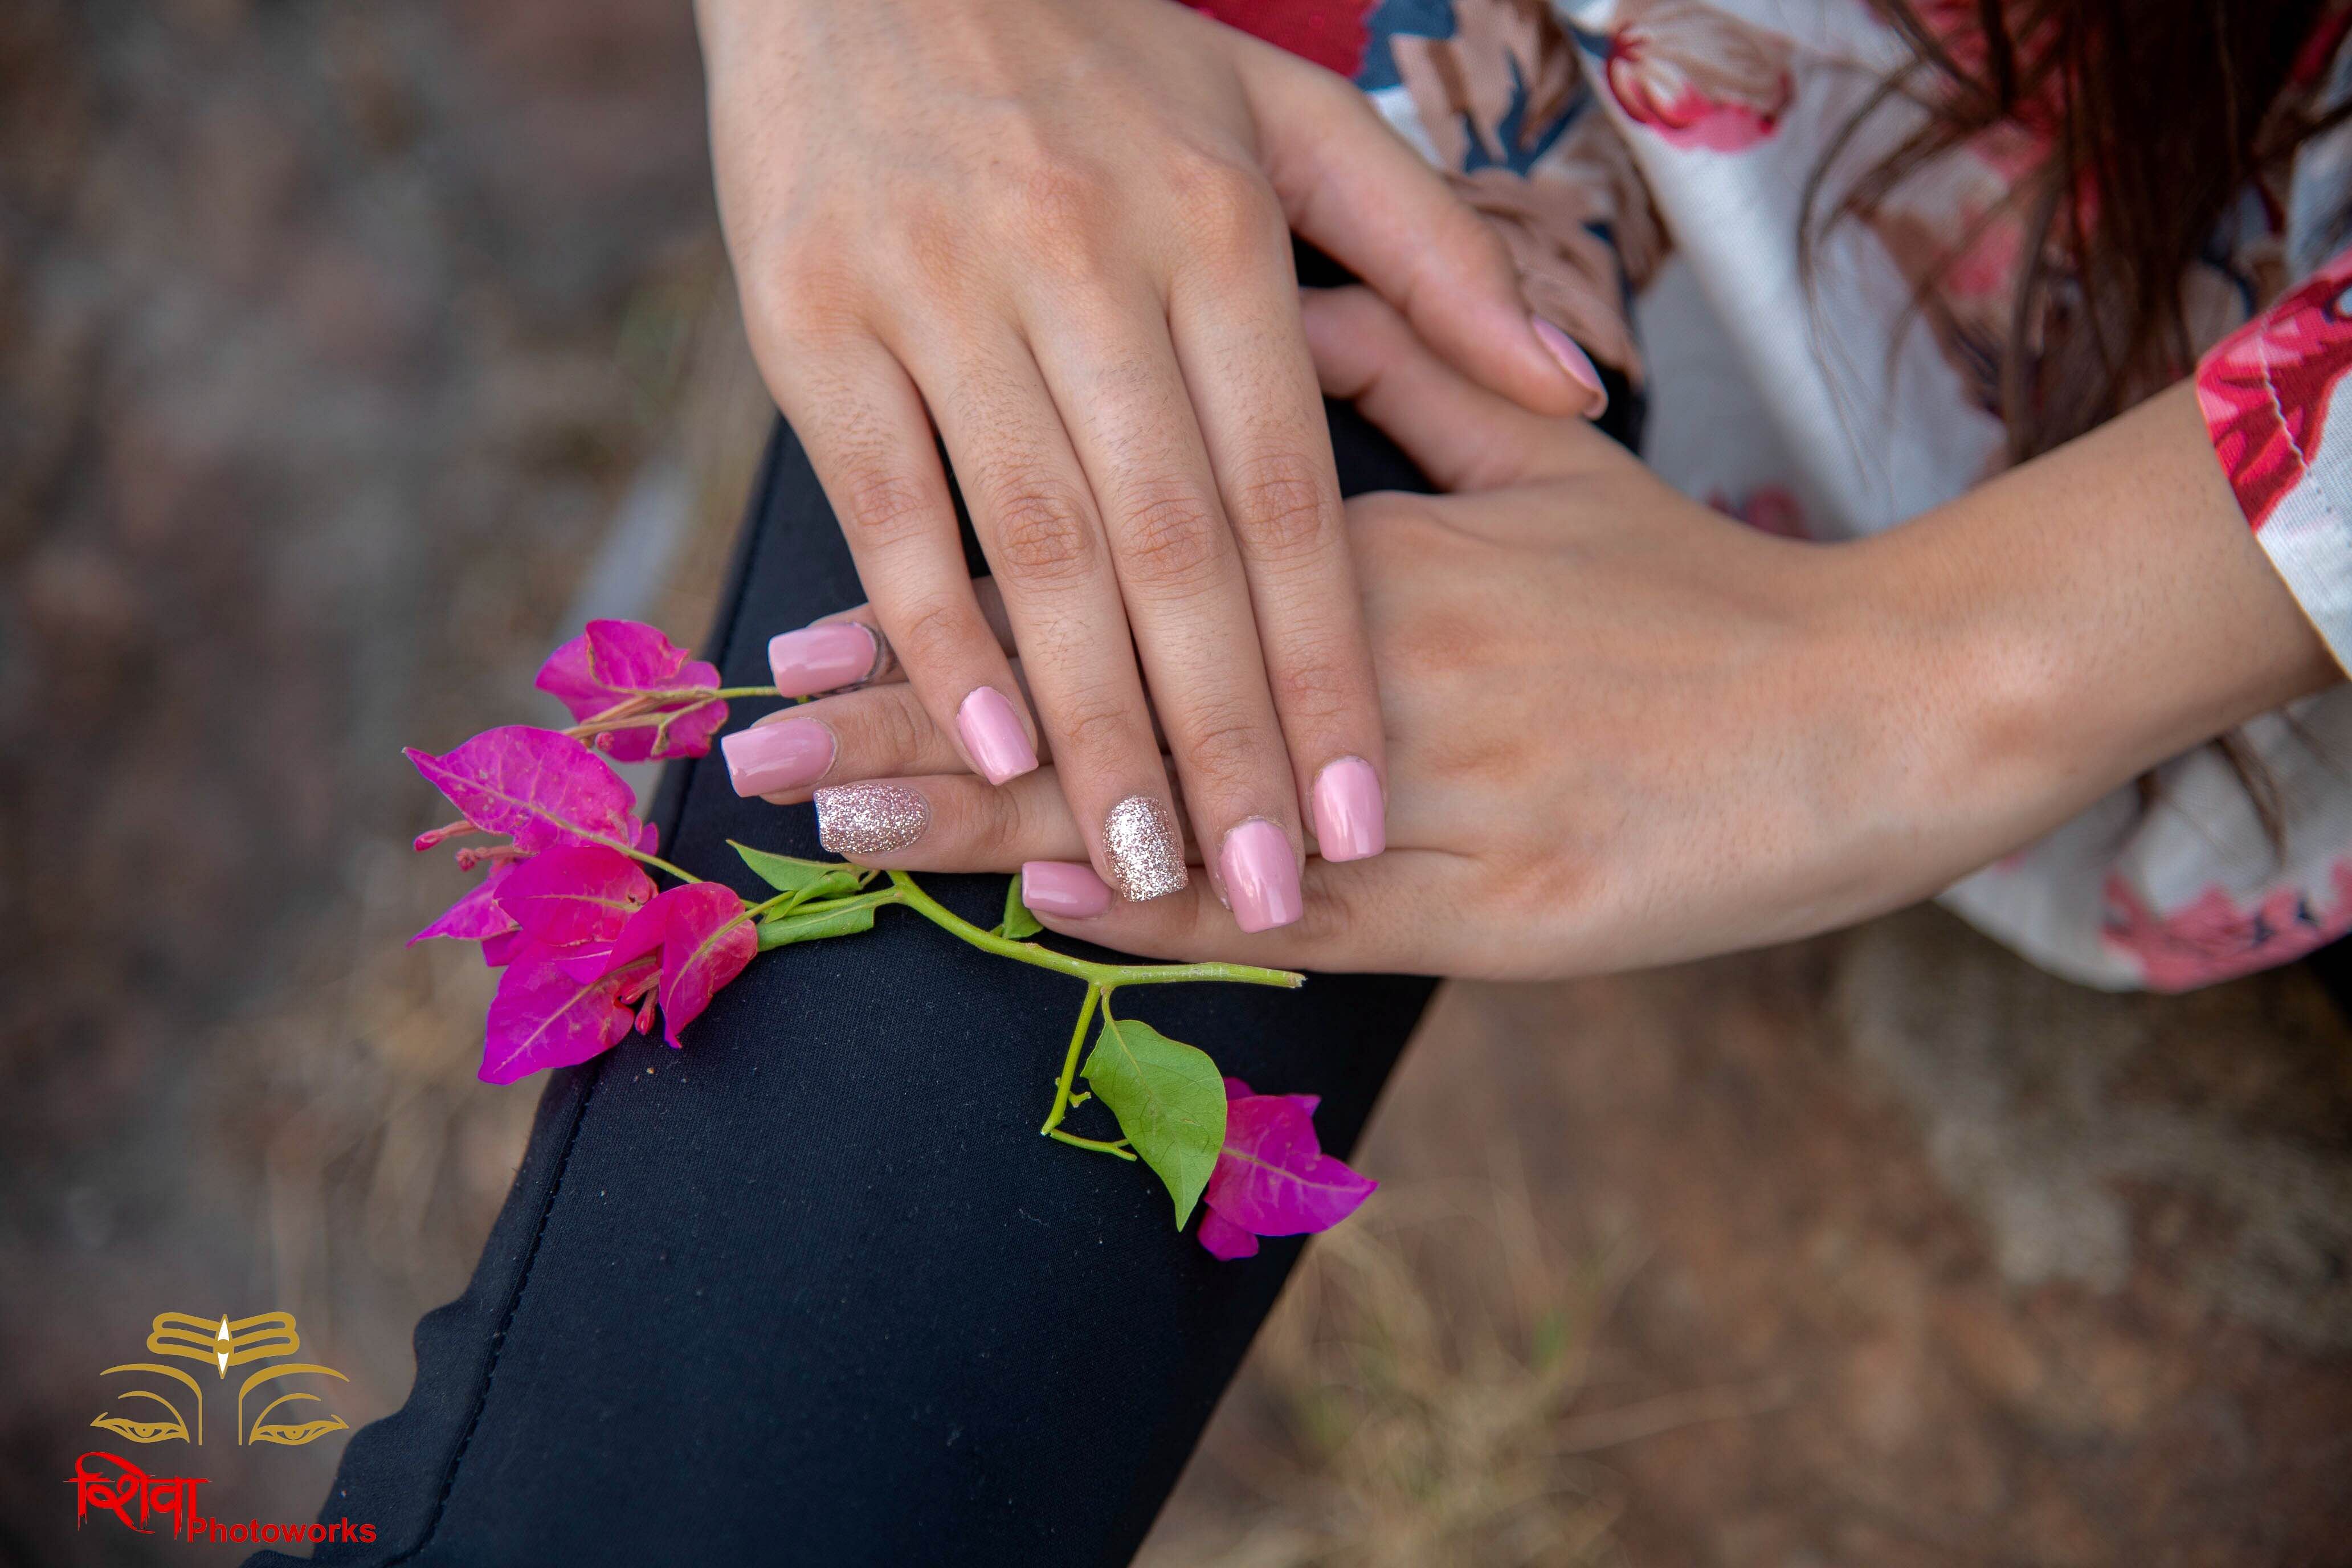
1044	535
1282	510
1224	749
1063	213
1095	728
1002	829
1172	540
883	505
897	731
931	635
1228	206
1314	690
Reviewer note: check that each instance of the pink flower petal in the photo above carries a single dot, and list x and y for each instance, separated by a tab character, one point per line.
568	676
476	915
1236	1090
497	952
649	841
577	894
542	1017
641	935
1272	1178
614	661
1225	1239
541	785
705	944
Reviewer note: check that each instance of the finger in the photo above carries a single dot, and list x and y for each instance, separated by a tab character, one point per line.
1123	397
1356	190
1036	516
1363	915
1463	437
848	649
1237	333
870	443
869	732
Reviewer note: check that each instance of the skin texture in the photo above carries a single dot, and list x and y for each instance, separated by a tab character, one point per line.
1625	731
1058	232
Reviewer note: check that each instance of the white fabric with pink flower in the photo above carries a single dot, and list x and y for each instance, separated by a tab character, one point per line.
1657	151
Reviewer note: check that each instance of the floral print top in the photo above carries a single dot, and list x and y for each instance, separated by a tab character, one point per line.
1646	161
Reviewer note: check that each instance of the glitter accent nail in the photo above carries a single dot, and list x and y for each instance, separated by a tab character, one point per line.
870	818
1145	848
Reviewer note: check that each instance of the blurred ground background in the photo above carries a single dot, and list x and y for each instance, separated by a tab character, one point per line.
351	355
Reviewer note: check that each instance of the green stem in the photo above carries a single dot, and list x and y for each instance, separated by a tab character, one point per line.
747	691
1119	1148
1070	1062
1106	975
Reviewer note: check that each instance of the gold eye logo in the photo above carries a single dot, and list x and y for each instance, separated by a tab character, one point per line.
222	1345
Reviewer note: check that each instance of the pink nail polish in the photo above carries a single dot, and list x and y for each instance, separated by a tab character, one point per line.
993	736
1261	876
1063	890
768	759
1573	360
822	658
1350	817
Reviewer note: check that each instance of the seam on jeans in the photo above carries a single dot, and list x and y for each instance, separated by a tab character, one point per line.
731	604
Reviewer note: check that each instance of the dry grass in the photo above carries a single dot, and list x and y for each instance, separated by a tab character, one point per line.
1411	1401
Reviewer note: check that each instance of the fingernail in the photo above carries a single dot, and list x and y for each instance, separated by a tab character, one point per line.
1065	891
1261	876
1145	848
822	658
1350	821
870	818
993	737
1573	360
768	759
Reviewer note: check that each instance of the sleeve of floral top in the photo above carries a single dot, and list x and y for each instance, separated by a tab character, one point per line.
2268	391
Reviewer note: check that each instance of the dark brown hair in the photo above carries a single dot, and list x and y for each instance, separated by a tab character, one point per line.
2157	114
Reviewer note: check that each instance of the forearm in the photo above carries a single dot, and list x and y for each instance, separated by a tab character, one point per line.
2088	615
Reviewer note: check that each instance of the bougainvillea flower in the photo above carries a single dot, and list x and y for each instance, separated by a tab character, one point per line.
576	896
706	943
542	786
617	662
703	940
477	916
1272	1176
542	1017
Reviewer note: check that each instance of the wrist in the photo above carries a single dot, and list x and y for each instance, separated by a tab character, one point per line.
2084	617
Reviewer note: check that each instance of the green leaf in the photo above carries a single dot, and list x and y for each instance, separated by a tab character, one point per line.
1018	923
807	879
791	929
1169	1100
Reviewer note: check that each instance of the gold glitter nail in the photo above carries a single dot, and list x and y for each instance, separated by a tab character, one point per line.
870	818
1145	848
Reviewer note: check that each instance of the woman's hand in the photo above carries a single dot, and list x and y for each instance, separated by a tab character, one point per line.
1059	231
1623	730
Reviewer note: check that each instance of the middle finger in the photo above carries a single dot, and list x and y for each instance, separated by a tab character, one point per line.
1113	372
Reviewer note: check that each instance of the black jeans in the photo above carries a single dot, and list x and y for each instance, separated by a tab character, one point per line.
813	1289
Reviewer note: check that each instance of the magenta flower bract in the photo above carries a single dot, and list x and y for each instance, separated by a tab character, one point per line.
542	786
477	916
704	942
1272	1177
614	662
579	895
542	1017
